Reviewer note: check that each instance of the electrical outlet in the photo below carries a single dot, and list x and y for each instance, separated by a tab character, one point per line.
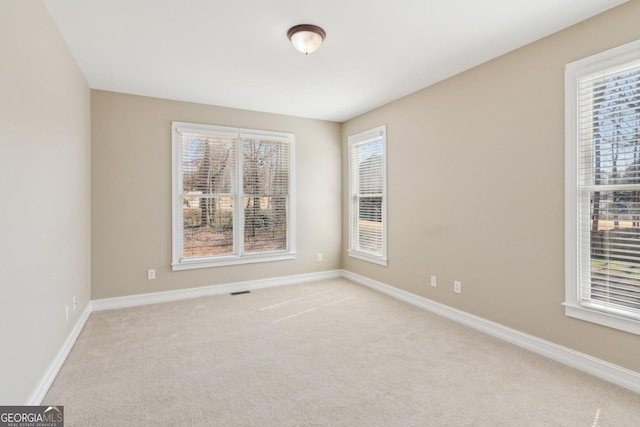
74	303
151	274
319	257
66	313
457	287
434	281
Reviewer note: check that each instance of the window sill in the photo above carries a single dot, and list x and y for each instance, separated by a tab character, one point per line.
190	264
366	257
601	318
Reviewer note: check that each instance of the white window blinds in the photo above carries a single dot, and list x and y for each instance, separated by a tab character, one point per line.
368	194
232	195
608	138
208	176
265	193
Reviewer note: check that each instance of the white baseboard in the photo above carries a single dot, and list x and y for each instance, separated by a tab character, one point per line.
153	298
43	386
599	368
159	297
591	365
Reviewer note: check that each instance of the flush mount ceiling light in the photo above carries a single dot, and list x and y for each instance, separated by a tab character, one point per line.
306	38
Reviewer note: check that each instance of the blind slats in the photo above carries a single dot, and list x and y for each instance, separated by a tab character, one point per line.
609	174
225	176
367	188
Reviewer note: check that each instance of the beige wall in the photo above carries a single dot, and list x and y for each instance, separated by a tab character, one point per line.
45	190
131	194
476	189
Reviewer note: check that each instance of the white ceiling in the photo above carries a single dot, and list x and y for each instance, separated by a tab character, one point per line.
236	53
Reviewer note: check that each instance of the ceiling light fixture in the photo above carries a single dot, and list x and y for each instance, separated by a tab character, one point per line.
306	38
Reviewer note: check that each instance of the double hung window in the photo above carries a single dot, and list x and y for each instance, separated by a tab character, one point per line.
603	188
367	196
232	196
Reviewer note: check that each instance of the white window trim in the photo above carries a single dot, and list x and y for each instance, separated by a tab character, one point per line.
573	308
177	263
355	139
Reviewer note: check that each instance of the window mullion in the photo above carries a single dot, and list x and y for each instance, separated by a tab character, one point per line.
238	229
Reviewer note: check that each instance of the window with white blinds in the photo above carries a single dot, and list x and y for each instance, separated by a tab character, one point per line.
232	196
367	194
603	188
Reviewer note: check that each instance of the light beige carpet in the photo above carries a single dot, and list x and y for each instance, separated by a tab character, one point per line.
328	353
